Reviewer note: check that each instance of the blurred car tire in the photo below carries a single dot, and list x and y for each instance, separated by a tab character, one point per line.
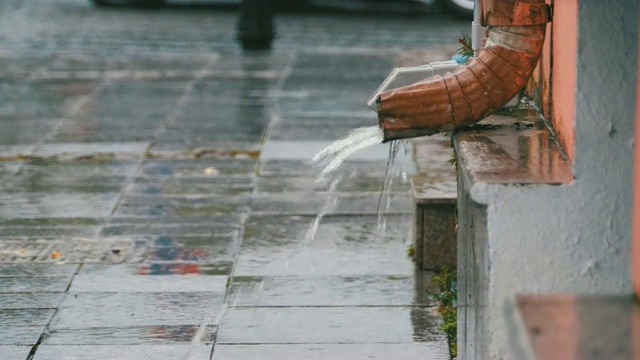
135	3
462	9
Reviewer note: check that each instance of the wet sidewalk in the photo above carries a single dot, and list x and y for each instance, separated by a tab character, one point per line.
160	208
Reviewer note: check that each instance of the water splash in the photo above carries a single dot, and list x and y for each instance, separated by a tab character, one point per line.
335	154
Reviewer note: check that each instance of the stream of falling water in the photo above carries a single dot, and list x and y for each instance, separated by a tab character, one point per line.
334	155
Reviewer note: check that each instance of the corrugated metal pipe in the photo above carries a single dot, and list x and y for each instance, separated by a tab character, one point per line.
475	90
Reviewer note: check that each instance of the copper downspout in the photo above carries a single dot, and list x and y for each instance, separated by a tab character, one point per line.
476	90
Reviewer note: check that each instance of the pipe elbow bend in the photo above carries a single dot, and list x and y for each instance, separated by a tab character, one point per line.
469	94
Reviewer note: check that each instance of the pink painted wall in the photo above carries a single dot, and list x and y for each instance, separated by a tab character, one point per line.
553	83
564	72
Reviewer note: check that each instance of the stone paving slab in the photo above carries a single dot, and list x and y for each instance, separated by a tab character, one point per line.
25	131
25	317
131	335
20	334
214	186
40	231
207	136
314	203
203	147
302	168
279	245
50	205
305	150
329	325
90	310
369	290
14	352
15	270
198	168
192	207
99	279
45	284
29	300
355	181
221	225
72	250
110	352
432	351
131	149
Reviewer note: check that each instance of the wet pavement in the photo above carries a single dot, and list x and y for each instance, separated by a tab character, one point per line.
157	203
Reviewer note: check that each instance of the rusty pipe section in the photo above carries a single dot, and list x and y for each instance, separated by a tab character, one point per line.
475	90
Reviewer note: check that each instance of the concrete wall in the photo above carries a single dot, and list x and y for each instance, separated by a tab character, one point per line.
572	238
636	211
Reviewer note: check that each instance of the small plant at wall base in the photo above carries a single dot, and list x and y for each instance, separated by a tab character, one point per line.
447	300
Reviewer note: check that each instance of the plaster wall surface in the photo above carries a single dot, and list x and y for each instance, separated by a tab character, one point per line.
572	238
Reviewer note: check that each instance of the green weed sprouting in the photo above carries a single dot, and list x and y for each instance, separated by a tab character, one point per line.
447	299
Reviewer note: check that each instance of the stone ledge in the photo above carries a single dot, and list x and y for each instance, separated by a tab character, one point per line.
434	191
580	327
510	150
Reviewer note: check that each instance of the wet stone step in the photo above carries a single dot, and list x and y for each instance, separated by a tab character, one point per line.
83	150
19	334
302	167
356	182
15	132
100	279
21	269
349	246
85	134
198	168
95	310
216	227
15	152
365	290
319	131
49	222
135	206
432	351
197	134
331	105
204	148
14	352
82	170
55	206
242	87
70	250
213	186
330	325
310	204
135	335
48	231
9	167
25	317
34	284
200	111
110	352
33	109
39	300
